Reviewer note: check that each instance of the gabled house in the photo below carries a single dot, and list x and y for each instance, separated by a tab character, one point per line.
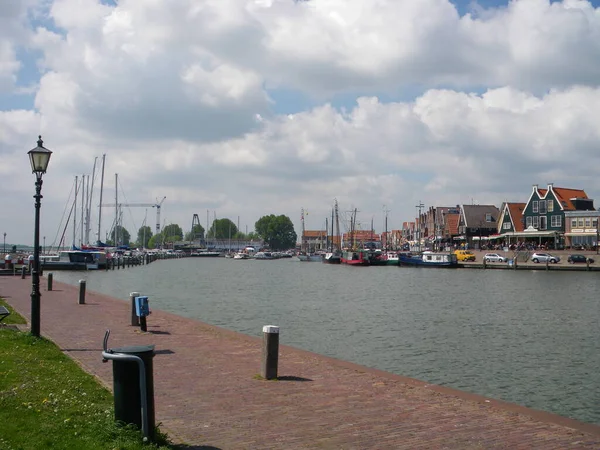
511	218
477	222
545	209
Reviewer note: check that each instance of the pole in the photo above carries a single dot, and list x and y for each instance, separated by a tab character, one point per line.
35	275
4	245
100	205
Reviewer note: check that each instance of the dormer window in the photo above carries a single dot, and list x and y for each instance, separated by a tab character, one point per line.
488	217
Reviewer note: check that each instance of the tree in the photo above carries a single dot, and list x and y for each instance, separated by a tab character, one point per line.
196	233
122	233
277	231
152	241
222	229
172	233
143	236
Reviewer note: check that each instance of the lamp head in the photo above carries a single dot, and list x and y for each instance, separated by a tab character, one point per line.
39	158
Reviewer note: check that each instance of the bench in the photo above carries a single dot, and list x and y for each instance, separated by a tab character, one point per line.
4	312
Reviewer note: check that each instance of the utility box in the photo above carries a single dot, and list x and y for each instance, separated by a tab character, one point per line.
141	306
126	386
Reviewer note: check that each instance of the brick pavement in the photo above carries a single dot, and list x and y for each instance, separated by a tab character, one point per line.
207	394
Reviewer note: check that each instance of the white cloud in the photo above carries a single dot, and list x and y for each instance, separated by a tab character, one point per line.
175	94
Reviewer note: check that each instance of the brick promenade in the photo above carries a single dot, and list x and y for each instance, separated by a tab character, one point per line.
207	394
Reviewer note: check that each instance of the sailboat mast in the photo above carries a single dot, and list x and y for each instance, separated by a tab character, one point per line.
337	224
332	240
100	205
115	234
302	246
82	206
75	211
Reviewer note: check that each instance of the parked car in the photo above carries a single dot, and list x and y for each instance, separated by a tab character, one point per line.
543	257
494	257
575	259
464	255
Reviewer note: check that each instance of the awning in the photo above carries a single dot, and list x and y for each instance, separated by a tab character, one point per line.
534	233
585	233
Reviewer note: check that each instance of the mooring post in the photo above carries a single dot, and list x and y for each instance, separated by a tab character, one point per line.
270	352
50	281
82	292
23	272
484	263
135	320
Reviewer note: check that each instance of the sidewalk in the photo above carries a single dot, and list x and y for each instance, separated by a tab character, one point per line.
206	392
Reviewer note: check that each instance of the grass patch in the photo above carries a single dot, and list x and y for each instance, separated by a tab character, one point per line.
14	318
47	401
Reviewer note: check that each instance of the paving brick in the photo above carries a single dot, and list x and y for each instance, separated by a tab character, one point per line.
207	394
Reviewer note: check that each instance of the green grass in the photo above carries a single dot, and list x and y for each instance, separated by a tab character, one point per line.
47	401
14	318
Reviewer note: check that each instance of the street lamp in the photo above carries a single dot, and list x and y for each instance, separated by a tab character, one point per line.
39	158
4	244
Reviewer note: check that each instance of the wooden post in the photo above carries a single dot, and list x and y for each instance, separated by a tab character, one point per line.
547	261
82	292
50	281
484	263
270	352
135	320
23	272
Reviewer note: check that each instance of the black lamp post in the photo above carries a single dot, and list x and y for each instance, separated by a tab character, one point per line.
39	158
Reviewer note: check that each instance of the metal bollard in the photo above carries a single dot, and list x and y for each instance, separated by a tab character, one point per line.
82	292
50	281
23	272
270	352
135	320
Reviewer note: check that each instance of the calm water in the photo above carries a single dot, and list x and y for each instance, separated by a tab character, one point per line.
528	337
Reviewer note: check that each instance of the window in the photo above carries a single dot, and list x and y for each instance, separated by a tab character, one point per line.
543	223
528	222
573	223
556	221
543	207
535	206
488	217
595	223
536	221
506	226
580	222
550	204
588	222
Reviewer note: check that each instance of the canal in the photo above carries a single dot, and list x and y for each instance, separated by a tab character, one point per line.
528	337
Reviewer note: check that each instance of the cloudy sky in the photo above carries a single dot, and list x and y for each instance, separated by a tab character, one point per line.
244	108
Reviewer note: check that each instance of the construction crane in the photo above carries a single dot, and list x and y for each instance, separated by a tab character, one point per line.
156	205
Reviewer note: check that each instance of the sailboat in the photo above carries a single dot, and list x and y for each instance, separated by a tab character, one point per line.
333	255
305	254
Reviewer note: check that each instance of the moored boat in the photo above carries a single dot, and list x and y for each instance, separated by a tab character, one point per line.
428	259
332	258
356	258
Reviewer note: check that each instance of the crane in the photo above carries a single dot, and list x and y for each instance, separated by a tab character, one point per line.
156	205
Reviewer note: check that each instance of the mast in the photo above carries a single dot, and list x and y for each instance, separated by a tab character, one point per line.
115	234
75	211
90	191
419	206
100	205
302	247
337	224
332	240
82	207
326	234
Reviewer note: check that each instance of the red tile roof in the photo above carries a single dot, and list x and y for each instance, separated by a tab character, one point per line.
516	214
565	195
452	221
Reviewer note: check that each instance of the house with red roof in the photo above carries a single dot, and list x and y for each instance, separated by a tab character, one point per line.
544	212
511	218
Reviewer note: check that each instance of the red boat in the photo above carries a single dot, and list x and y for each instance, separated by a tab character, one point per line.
356	258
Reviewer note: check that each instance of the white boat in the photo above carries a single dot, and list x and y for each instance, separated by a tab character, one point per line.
241	255
263	255
310	257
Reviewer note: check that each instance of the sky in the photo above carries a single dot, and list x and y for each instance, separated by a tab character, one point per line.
243	108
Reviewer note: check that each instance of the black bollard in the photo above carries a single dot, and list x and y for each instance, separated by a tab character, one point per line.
82	292
135	320
23	272
270	352
50	281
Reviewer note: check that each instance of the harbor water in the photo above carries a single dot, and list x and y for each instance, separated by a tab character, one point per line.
527	337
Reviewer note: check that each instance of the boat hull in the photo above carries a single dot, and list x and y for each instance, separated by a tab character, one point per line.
429	259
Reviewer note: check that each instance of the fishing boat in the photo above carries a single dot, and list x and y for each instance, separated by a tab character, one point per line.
333	254
428	259
309	256
356	258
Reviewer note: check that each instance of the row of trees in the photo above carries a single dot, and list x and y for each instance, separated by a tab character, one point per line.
276	231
